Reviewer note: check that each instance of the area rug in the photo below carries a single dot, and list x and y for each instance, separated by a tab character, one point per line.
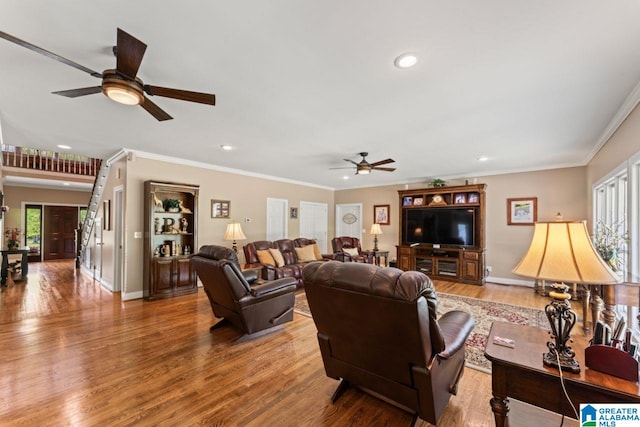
484	312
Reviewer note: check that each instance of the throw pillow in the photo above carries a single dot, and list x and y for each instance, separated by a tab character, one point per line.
316	252
277	257
264	256
305	254
351	251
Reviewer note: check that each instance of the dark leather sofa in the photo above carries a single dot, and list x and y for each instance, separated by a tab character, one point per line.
241	297
378	331
292	266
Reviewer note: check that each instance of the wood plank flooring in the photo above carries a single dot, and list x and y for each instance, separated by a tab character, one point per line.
72	353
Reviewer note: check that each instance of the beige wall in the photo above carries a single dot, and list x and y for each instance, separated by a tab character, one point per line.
248	200
624	143
557	190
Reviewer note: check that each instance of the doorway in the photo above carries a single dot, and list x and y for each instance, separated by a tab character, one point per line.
277	219
349	220
118	216
59	240
313	223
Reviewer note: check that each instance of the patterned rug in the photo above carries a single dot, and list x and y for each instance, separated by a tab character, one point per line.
484	313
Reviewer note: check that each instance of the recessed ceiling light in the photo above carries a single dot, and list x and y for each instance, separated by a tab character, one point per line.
226	147
66	183
483	158
345	177
406	60
64	147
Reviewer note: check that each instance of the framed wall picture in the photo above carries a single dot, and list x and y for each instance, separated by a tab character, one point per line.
106	213
381	214
220	209
522	211
293	213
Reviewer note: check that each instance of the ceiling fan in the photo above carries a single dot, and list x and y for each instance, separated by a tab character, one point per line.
364	167
121	84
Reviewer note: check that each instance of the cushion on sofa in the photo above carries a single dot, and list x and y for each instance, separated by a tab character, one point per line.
277	257
351	251
265	257
316	252
306	254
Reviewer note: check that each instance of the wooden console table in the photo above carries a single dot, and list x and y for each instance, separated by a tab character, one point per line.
519	373
24	263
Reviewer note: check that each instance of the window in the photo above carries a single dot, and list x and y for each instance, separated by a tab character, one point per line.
33	222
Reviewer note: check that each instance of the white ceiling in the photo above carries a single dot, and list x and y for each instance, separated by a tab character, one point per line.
302	84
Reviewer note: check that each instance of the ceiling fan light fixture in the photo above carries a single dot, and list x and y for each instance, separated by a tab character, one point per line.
121	90
363	171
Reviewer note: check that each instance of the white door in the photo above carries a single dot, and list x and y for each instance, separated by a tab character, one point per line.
313	223
277	219
118	212
349	220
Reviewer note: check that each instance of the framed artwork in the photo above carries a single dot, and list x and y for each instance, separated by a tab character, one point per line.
417	201
460	198
106	213
473	198
381	214
522	211
407	201
220	209
293	213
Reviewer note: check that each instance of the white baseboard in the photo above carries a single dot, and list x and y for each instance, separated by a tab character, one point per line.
127	296
506	281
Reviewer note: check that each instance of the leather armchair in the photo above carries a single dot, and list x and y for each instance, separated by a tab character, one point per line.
377	330
241	297
345	242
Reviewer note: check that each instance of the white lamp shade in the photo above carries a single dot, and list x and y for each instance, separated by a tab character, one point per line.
375	229
563	252
234	232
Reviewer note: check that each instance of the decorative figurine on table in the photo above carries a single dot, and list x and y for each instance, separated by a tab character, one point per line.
183	208
184	225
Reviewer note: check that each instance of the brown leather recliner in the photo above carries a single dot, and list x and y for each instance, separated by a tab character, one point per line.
377	330
346	242
241	297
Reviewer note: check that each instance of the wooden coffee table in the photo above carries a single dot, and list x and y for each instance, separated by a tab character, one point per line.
519	373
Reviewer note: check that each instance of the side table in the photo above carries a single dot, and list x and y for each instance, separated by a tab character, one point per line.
378	254
24	263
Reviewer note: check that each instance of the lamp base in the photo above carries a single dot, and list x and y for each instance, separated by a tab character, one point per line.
567	363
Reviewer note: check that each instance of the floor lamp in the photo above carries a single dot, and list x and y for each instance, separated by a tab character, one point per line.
562	251
234	232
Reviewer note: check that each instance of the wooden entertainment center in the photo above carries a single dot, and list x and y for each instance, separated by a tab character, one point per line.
442	232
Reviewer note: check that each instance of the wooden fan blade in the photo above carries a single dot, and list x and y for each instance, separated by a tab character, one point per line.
383	169
155	111
183	95
46	53
129	53
383	162
74	93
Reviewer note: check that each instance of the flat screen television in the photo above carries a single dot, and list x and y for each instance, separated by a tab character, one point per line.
441	226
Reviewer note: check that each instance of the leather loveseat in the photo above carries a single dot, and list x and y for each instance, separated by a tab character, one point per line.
291	264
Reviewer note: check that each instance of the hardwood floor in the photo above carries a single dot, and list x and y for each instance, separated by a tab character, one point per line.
73	353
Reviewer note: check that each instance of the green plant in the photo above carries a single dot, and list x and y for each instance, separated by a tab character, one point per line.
437	182
170	204
610	241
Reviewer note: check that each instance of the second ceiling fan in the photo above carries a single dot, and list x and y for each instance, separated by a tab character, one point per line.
363	167
121	84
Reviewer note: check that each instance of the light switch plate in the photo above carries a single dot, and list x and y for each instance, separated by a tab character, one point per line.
137	234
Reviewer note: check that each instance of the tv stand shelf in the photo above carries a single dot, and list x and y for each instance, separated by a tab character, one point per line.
447	262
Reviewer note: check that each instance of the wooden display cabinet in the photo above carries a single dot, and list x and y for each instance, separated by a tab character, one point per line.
170	237
462	262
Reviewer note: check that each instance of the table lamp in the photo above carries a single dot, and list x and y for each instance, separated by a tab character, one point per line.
234	232
562	251
375	230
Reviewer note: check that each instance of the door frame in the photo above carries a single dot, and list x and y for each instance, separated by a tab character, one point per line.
322	248
284	218
119	259
339	215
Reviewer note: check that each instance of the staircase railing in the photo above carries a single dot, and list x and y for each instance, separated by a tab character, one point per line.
92	210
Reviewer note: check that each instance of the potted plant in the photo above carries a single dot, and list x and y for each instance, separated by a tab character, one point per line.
13	237
437	182
171	205
609	241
